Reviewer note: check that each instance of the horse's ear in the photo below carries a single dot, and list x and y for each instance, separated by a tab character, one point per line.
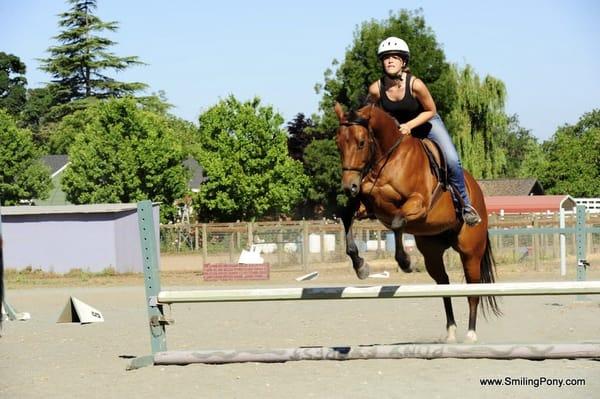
339	111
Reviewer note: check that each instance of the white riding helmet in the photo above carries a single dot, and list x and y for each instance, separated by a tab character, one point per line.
394	45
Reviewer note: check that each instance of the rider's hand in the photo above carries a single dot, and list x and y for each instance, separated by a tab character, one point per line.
404	129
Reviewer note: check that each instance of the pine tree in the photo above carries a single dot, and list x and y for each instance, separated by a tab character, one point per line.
80	62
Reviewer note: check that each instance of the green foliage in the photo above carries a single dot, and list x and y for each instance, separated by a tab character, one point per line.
124	154
62	135
322	162
12	83
244	154
573	158
524	156
79	63
478	123
22	175
36	112
361	66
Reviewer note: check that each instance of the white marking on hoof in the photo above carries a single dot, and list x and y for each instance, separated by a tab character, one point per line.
471	337
451	337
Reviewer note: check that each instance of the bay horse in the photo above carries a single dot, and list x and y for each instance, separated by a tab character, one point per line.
387	175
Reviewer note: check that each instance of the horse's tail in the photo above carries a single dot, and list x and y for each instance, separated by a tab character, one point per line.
488	275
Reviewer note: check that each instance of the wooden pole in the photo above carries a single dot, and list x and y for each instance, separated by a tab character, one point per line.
403	351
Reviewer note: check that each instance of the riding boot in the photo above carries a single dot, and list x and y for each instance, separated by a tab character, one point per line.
469	213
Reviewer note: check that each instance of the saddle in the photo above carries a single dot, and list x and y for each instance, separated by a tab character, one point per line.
439	168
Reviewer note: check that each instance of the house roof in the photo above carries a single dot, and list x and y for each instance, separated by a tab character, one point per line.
527	204
56	163
526	186
54	209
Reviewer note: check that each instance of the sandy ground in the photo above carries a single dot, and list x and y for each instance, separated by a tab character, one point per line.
42	359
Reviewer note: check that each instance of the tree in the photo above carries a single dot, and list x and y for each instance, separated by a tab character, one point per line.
524	155
299	136
125	154
244	154
12	83
477	122
79	63
40	110
361	67
63	134
22	175
322	163
573	158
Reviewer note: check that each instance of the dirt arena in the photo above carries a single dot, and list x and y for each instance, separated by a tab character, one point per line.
42	359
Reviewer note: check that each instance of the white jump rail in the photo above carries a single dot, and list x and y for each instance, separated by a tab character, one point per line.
380	292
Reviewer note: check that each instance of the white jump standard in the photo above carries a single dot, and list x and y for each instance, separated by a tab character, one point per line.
156	299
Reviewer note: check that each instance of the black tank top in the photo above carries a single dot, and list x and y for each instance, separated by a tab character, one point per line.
404	110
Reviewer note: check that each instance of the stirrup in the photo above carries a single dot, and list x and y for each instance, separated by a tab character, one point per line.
470	216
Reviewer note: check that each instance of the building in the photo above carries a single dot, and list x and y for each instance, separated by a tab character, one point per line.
514	204
57	165
510	187
62	238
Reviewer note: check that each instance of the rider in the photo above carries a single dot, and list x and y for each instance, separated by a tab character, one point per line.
408	100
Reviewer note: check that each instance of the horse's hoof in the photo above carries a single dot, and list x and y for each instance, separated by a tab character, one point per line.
406	267
398	223
363	271
451	337
471	337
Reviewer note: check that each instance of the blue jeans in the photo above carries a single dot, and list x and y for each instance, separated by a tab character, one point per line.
440	135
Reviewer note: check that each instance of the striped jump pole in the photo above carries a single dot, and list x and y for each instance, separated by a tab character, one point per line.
157	298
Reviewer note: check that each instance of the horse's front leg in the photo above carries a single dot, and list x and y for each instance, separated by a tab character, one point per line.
412	209
360	267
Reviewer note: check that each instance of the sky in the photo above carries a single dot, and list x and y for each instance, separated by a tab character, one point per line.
546	52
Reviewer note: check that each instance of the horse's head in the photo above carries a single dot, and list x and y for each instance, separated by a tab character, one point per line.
355	142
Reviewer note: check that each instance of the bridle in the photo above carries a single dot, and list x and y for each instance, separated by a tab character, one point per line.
364	122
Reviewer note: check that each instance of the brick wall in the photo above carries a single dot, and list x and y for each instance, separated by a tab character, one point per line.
235	271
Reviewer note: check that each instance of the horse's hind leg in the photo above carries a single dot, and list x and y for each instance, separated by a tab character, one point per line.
401	256
471	266
433	249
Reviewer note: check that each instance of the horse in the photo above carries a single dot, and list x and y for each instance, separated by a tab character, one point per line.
387	175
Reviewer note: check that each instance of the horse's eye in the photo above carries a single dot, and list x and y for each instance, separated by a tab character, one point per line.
361	144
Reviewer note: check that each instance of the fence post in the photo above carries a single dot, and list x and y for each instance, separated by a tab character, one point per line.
279	244
231	244
322	241
158	338
535	245
581	244
250	235
204	245
305	244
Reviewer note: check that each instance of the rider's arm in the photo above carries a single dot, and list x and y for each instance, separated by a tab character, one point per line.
373	92
421	93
